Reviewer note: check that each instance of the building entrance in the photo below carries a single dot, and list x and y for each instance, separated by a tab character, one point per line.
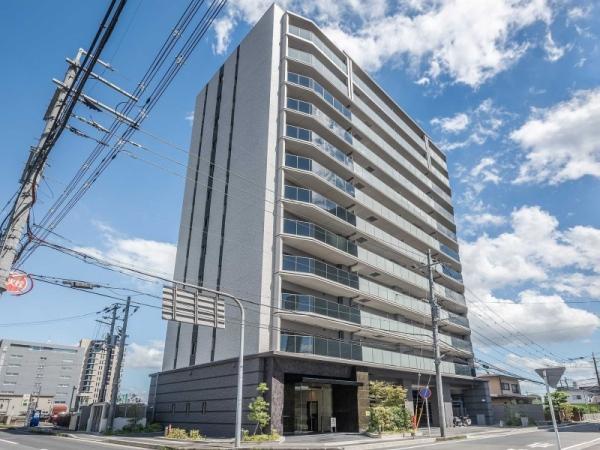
319	407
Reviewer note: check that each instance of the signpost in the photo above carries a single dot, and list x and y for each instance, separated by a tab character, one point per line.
18	283
425	393
188	303
552	376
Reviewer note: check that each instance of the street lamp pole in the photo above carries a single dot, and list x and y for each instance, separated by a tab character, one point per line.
240	374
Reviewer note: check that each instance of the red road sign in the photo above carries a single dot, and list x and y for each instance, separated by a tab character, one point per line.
18	283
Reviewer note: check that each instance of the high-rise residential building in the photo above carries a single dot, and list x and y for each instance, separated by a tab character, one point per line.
92	388
313	197
34	369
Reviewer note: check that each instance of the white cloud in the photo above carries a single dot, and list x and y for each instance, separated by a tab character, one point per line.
553	52
467	41
549	262
452	124
153	256
190	117
144	356
541	318
579	12
481	123
561	143
485	219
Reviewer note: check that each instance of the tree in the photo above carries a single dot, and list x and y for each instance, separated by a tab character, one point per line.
560	403
388	411
259	409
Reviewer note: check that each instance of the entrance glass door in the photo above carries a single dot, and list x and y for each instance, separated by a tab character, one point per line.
312	408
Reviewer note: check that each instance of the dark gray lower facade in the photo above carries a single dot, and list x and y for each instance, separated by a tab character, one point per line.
306	395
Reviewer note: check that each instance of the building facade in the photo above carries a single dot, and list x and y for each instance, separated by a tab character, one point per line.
92	388
41	369
313	197
505	389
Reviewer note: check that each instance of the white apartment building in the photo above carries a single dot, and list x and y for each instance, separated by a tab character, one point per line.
313	197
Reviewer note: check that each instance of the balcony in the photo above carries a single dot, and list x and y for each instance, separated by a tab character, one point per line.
331	178
449	252
451	273
303	134
354	351
300	228
316	305
310	265
332	126
310	36
308	196
313	85
311	60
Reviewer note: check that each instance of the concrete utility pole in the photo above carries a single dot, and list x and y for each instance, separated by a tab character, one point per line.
435	319
117	374
110	345
30	180
596	368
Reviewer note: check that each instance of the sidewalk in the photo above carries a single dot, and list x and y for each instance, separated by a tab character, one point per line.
329	441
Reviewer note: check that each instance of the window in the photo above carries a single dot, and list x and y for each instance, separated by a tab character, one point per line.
578	397
188	407
515	388
172	408
505	386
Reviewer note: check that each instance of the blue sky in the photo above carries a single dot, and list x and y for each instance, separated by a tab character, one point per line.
510	91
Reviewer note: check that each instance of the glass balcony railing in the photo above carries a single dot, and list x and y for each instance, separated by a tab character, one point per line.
310	136
460	344
309	108
313	61
449	252
451	273
300	228
310	36
302	163
310	265
308	196
316	305
355	351
453	296
456	319
309	83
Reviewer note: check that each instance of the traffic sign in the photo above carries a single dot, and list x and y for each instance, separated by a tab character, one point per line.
18	283
190	306
425	392
551	375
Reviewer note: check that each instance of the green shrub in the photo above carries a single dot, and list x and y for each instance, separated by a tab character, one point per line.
259	409
247	437
177	433
195	435
388	411
153	428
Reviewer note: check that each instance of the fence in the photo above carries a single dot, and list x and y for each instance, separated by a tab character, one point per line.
535	413
594	417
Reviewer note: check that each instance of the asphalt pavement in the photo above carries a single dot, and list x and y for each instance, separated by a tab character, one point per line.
572	437
12	440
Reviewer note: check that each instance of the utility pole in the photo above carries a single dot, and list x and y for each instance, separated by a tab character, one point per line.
435	319
117	374
596	368
110	344
30	180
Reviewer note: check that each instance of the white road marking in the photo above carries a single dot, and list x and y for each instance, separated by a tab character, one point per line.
9	442
540	445
582	443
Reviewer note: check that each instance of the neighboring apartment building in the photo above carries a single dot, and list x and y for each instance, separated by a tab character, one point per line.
313	197
91	388
32	368
505	389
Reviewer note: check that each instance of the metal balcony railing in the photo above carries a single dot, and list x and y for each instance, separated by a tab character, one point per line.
308	196
300	228
312	304
302	163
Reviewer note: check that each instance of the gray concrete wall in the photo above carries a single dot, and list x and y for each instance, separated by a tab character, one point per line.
503	412
204	397
248	231
477	401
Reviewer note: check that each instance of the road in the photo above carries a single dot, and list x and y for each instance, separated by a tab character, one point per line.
20	441
573	437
